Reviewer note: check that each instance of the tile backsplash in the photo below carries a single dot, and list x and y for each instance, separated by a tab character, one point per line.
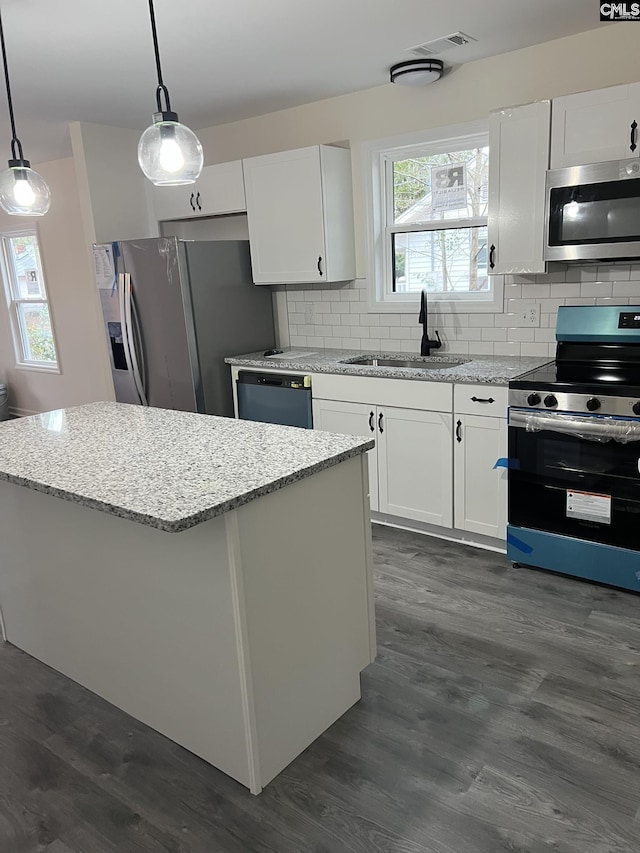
338	316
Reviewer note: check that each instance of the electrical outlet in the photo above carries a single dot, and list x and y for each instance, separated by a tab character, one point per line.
310	313
528	314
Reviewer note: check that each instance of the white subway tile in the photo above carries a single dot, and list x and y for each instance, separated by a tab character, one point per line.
481	347
296	319
358	307
584	300
565	289
383	332
408	319
520	335
531	292
494	334
403	334
392	345
315	341
370	320
596	288
506	348
330	296
409	346
336	331
352	343
481	320
313	296
534	349
390	320
550	306
545	336
340	307
614	272
298	341
626	288
553	278
374	344
513	291
464	347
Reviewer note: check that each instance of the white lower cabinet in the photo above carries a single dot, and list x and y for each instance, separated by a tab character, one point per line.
480	504
351	419
410	468
414	465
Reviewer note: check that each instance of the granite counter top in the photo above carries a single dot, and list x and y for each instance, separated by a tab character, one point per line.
481	369
170	470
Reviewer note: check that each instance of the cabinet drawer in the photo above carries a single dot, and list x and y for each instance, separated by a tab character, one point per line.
403	393
474	400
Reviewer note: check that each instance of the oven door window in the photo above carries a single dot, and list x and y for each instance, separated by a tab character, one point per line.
545	466
595	213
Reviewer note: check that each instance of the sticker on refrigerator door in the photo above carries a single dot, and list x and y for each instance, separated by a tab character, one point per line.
104	267
587	506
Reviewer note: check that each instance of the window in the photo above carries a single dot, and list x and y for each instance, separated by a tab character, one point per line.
27	300
429	221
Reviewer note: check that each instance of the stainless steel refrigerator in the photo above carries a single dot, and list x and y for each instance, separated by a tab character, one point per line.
173	310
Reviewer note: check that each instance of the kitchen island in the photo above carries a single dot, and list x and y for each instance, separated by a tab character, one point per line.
208	576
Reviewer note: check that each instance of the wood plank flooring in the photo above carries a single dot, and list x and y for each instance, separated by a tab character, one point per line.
502	714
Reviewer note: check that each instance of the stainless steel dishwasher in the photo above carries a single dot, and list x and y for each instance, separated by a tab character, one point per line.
275	398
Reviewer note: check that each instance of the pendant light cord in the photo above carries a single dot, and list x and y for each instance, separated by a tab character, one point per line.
14	138
162	89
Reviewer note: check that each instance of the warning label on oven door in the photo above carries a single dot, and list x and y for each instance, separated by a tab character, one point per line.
589	507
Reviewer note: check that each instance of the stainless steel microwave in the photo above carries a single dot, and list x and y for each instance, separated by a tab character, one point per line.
593	212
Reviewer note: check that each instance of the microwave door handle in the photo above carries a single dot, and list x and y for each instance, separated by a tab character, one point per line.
128	298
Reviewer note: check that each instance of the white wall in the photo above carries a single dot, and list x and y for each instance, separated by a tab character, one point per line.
75	307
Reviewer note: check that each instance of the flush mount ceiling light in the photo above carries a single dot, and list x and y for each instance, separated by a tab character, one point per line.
23	192
169	153
416	72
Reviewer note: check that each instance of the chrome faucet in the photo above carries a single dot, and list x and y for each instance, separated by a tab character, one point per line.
426	344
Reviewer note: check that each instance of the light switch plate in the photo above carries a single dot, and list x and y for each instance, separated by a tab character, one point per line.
310	313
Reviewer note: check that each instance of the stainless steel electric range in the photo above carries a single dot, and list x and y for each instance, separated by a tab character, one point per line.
574	451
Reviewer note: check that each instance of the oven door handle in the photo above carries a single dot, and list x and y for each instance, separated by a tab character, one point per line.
590	428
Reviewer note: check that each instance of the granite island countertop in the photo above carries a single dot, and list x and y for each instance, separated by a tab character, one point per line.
166	469
481	369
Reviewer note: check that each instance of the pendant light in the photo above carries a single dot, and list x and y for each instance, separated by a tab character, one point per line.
169	153
23	192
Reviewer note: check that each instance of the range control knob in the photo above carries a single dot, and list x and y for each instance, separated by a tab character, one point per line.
550	401
636	408
593	404
534	399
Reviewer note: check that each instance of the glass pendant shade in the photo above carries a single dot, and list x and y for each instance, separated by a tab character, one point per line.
170	154
24	192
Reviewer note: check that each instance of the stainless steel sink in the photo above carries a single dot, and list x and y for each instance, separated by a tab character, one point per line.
415	363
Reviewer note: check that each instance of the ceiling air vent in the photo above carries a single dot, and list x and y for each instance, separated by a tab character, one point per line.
431	48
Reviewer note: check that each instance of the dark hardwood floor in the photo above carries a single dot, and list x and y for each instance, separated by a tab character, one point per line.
502	714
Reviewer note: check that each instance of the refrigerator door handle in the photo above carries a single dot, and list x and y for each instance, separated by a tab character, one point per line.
123	323
138	347
128	301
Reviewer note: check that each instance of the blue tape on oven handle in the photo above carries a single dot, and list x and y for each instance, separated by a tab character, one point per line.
503	462
518	543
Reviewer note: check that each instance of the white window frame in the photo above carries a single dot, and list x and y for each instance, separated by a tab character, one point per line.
377	157
12	301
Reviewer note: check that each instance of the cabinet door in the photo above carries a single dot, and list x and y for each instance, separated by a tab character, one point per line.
220	190
480	488
415	467
350	419
591	127
174	202
518	161
285	215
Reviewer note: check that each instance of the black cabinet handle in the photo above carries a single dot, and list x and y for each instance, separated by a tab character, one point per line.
371	426
634	135
380	427
483	399
319	264
492	255
193	207
198	201
459	432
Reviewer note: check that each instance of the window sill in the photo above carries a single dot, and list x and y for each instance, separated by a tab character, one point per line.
39	368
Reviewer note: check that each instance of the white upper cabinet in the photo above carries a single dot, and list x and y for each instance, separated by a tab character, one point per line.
218	190
518	161
300	214
591	127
